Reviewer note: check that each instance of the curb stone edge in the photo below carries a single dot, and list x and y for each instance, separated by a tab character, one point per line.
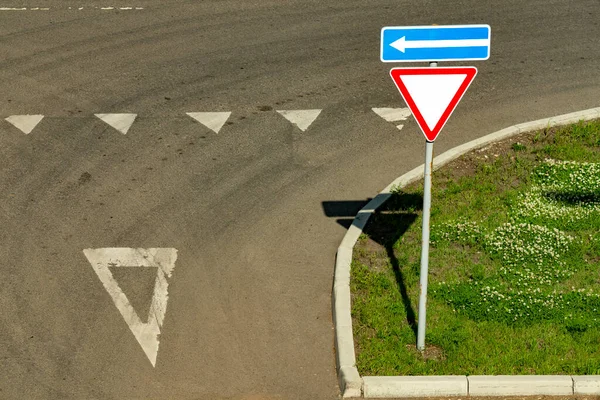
350	381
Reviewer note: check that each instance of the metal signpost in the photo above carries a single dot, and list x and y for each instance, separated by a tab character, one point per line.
432	95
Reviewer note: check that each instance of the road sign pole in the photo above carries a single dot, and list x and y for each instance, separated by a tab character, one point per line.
425	241
425	246
426	92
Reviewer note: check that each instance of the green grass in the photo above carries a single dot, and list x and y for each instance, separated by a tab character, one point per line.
514	271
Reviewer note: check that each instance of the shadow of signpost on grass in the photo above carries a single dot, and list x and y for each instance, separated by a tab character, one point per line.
385	227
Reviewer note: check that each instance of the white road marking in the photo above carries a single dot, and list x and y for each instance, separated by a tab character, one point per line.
393	114
121	122
26	123
212	120
147	334
301	118
69	8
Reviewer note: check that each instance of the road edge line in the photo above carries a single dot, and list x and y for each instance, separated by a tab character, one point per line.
350	381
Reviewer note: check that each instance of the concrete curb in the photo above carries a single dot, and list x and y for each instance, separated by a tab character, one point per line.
351	383
415	386
520	385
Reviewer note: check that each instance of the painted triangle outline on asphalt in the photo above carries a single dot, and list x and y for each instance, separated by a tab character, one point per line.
212	120
102	259
121	122
25	123
432	94
301	118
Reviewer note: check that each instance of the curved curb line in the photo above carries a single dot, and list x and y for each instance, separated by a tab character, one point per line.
351	383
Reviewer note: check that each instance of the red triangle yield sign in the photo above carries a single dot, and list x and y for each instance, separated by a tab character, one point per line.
432	93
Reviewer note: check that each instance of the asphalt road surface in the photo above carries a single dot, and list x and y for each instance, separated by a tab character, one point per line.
249	298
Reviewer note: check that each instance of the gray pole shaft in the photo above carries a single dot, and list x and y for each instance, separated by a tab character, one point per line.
425	244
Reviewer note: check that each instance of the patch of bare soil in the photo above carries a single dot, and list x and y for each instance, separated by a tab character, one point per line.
431	352
471	160
372	254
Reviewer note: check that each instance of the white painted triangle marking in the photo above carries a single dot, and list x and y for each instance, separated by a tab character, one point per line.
212	120
392	114
164	258
25	123
301	118
121	122
432	94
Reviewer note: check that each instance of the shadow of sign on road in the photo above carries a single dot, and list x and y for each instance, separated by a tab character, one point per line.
344	210
385	227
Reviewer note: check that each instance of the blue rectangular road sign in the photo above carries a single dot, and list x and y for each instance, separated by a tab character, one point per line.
435	43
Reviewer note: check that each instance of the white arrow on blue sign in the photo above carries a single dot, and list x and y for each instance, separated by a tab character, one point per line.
435	43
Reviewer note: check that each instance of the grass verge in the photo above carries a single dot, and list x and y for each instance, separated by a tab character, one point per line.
514	264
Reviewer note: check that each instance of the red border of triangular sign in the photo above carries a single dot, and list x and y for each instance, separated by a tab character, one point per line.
396	73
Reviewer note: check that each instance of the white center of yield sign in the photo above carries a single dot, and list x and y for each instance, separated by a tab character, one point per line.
432	94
